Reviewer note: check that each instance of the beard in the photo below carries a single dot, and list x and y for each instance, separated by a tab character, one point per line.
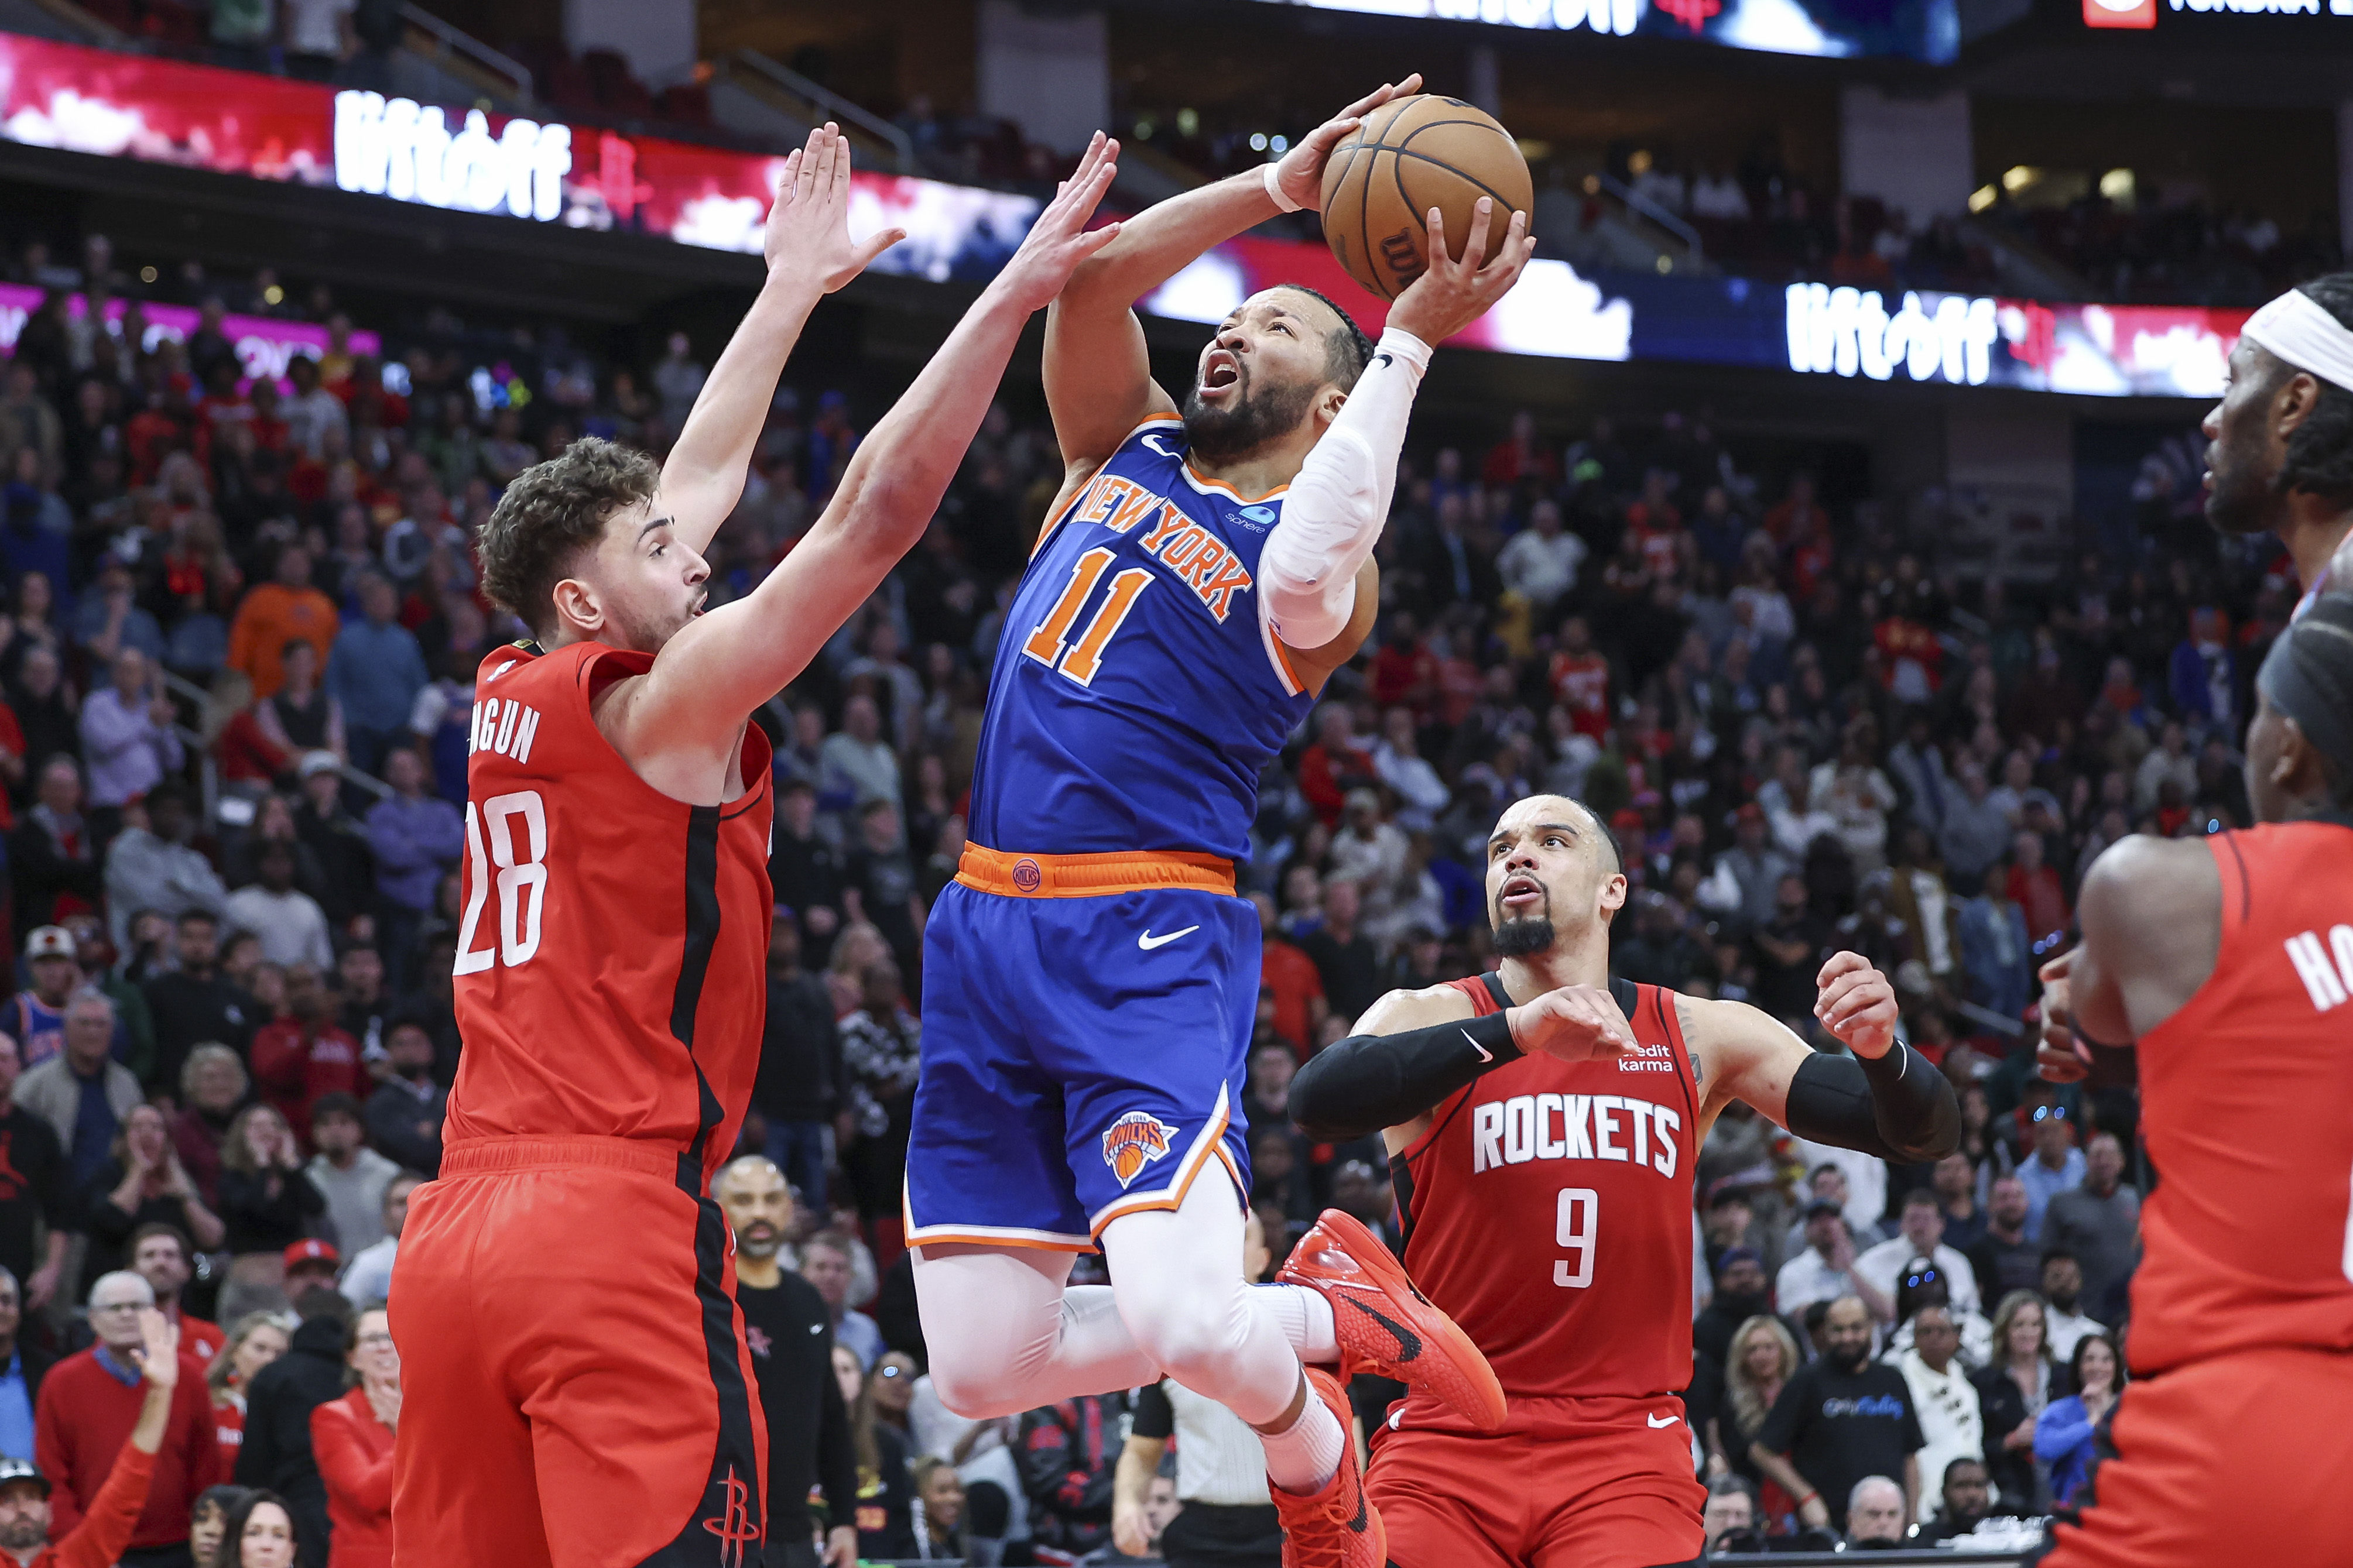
2242	500
758	1241
1256	418
1743	1305
1525	937
23	1535
1849	1362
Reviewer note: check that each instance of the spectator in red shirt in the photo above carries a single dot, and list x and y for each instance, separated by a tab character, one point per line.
351	1438
303	1055
1286	971
1580	678
91	1403
1334	764
1521	456
159	1254
101	1533
2034	886
1404	670
254	1342
1799	515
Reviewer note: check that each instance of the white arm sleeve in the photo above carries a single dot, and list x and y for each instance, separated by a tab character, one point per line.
1334	512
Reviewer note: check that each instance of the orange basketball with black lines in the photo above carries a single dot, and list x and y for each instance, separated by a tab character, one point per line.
1409	155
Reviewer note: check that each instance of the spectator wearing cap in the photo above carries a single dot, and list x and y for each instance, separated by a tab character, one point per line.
53	864
275	613
101	1531
417	838
351	1439
404	1115
130	740
292	926
92	1403
82	1092
150	865
1747	879
37	1015
369	1276
301	1055
277	1453
1828	1268
37	1211
1951	1427
374	674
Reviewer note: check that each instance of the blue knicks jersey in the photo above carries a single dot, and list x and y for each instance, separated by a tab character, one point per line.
1137	690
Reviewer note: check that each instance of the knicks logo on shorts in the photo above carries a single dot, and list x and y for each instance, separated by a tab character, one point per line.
1134	1141
1027	876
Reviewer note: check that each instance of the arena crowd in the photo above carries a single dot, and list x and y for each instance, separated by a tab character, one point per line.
237	656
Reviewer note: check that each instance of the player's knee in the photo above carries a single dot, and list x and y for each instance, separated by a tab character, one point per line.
978	1390
1194	1339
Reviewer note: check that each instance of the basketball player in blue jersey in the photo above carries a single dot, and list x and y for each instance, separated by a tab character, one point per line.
1090	978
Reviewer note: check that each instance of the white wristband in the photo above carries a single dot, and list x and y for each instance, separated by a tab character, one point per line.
1275	188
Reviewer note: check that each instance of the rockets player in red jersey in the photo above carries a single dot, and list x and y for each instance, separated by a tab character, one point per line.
1542	1122
577	1386
2225	964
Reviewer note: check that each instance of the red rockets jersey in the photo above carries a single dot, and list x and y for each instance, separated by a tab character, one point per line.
2247	1114
612	948
1548	1210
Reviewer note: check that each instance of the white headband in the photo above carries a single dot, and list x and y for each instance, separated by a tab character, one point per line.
2301	330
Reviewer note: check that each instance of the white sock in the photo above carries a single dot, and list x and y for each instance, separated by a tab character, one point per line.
1304	1456
1305	1319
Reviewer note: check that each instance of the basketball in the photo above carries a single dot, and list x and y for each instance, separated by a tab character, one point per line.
1409	155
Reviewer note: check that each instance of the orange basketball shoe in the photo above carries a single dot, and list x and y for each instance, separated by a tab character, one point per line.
1386	1326
1337	1527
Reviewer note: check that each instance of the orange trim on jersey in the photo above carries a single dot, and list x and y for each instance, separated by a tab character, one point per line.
1197	1158
1202	482
917	1236
1087	876
1282	659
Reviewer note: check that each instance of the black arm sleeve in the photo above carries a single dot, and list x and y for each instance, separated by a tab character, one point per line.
1154	1416
1367	1082
1896	1106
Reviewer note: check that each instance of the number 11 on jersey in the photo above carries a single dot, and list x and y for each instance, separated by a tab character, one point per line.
1047	646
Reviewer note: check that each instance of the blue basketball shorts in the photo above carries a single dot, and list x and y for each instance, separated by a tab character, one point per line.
1084	1056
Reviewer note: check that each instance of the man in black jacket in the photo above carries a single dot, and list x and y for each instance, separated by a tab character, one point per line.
788	1329
404	1115
195	1004
799	1087
277	1448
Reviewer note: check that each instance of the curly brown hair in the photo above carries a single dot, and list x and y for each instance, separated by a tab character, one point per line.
550	514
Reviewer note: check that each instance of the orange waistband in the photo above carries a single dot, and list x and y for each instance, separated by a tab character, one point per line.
1090	875
481	1156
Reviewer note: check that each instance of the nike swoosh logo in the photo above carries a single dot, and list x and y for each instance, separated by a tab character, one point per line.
817	1328
1147	941
1359	1524
1408	1342
1484	1054
1153	442
1656	1422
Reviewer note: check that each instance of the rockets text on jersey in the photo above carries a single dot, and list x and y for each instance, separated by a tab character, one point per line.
1137	690
2247	1096
1548	1211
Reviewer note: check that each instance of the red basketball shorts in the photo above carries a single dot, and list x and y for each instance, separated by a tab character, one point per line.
575	1386
1569	1483
2242	1458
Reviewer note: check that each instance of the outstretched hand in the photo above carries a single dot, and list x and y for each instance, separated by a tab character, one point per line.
159	1348
1450	295
1301	172
1060	240
808	226
1574	1024
1856	1002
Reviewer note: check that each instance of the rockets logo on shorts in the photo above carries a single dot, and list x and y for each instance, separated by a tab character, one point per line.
1134	1141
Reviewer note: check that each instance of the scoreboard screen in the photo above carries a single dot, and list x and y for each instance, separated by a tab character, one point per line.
1926	30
